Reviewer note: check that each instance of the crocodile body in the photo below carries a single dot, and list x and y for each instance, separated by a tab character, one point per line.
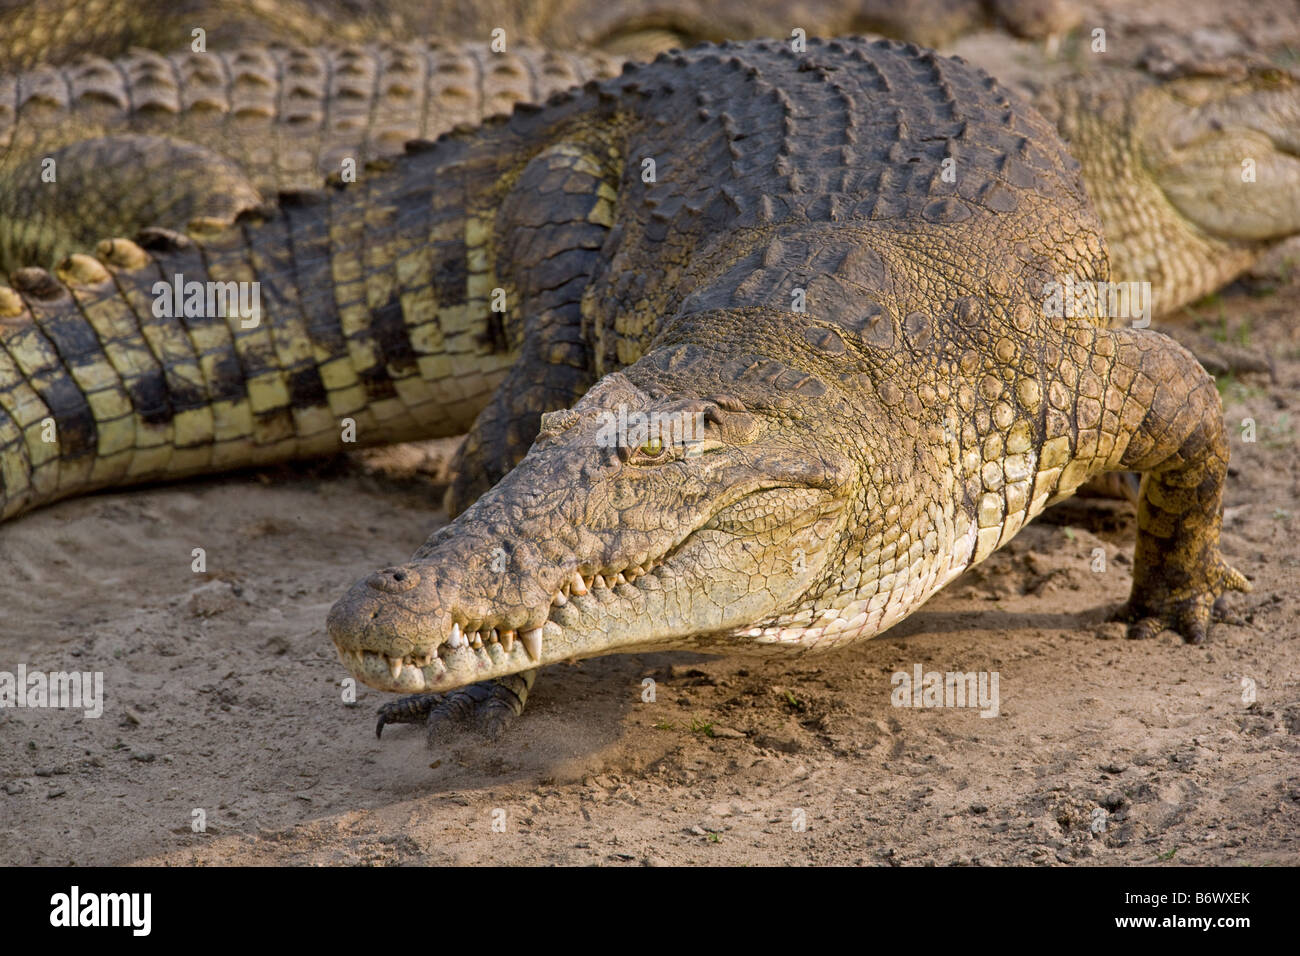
1196	177
759	243
371	309
881	398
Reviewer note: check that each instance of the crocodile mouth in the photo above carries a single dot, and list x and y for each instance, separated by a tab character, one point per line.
482	649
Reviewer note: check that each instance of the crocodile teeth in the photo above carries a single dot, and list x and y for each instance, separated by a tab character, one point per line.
599	581
394	666
532	641
507	641
578	585
457	638
560	600
476	640
619	579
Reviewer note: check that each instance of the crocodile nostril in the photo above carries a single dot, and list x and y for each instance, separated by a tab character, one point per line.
394	580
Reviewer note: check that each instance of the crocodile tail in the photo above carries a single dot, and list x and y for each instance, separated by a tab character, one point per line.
298	331
365	312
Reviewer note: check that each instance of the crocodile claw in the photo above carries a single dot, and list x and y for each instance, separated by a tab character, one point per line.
485	709
406	710
1190	617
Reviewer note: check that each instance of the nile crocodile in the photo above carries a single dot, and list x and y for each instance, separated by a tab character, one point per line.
796	374
208	136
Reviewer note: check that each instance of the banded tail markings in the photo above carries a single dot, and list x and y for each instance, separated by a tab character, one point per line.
219	365
32	473
271	255
386	199
226	256
181	381
309	231
144	439
378	404
58	352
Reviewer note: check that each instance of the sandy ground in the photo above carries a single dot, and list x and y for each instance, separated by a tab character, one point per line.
223	696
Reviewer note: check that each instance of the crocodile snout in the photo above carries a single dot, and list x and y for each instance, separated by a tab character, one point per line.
388	628
397	611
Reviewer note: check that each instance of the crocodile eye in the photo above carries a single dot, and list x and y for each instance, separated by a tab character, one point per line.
652	448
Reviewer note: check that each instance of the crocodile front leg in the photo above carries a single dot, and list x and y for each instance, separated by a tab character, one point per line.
487	708
1158	413
551	226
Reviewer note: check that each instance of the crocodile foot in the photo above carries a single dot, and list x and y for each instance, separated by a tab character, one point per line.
1189	614
487	709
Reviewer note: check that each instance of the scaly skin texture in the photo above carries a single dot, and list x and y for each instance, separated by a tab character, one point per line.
58	31
208	136
856	454
55	31
1163	163
374	310
152	140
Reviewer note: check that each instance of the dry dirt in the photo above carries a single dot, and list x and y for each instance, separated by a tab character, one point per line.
223	694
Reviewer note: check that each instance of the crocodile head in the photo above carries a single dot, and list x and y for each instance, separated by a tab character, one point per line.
1193	175
640	518
1225	150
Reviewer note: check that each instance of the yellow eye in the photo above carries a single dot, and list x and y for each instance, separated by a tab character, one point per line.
653	448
